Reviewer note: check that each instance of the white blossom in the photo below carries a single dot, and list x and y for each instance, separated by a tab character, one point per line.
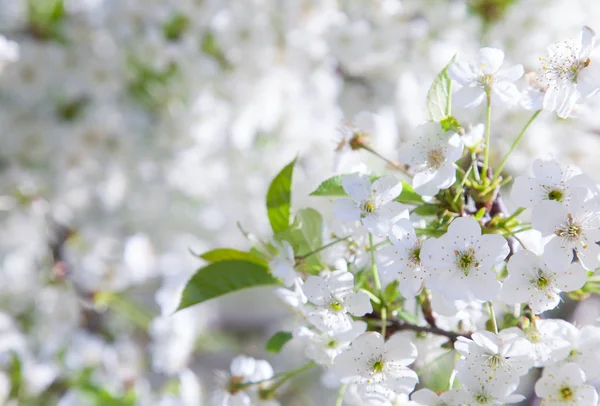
372	204
486	75
494	358
573	229
370	360
334	298
565	386
570	73
431	154
539	283
401	261
461	261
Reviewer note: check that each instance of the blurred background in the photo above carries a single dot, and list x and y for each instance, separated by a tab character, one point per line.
135	132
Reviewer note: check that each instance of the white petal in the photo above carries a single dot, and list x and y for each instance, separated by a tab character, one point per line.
492	250
557	253
567	98
376	225
346	210
357	186
469	97
573	278
403	234
465	226
588	80
387	188
547	216
316	290
484	285
506	93
358	304
400	349
588	40
340	283
526	192
547	172
463	73
511	74
491	59
404	380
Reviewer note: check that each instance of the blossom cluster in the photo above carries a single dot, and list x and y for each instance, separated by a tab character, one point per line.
432	252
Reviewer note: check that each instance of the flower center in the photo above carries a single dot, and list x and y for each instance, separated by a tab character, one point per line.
541	281
566	393
332	344
556	194
563	64
368	207
414	254
571	231
486	81
496	361
377	366
435	158
336	306
482	398
465	260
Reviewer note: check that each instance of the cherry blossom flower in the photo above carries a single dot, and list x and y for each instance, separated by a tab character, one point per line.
549	182
431	154
334	298
370	360
573	229
565	386
490	358
550	340
461	261
539	283
401	261
476	393
372	204
324	347
570	73
583	349
485	75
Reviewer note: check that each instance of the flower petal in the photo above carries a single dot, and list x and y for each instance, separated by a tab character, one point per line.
357	186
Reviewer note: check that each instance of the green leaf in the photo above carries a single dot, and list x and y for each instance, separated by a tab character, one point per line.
276	343
330	187
306	232
427	209
228	254
220	278
305	235
409	195
439	97
279	198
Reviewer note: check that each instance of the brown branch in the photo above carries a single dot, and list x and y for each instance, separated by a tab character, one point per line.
398	325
